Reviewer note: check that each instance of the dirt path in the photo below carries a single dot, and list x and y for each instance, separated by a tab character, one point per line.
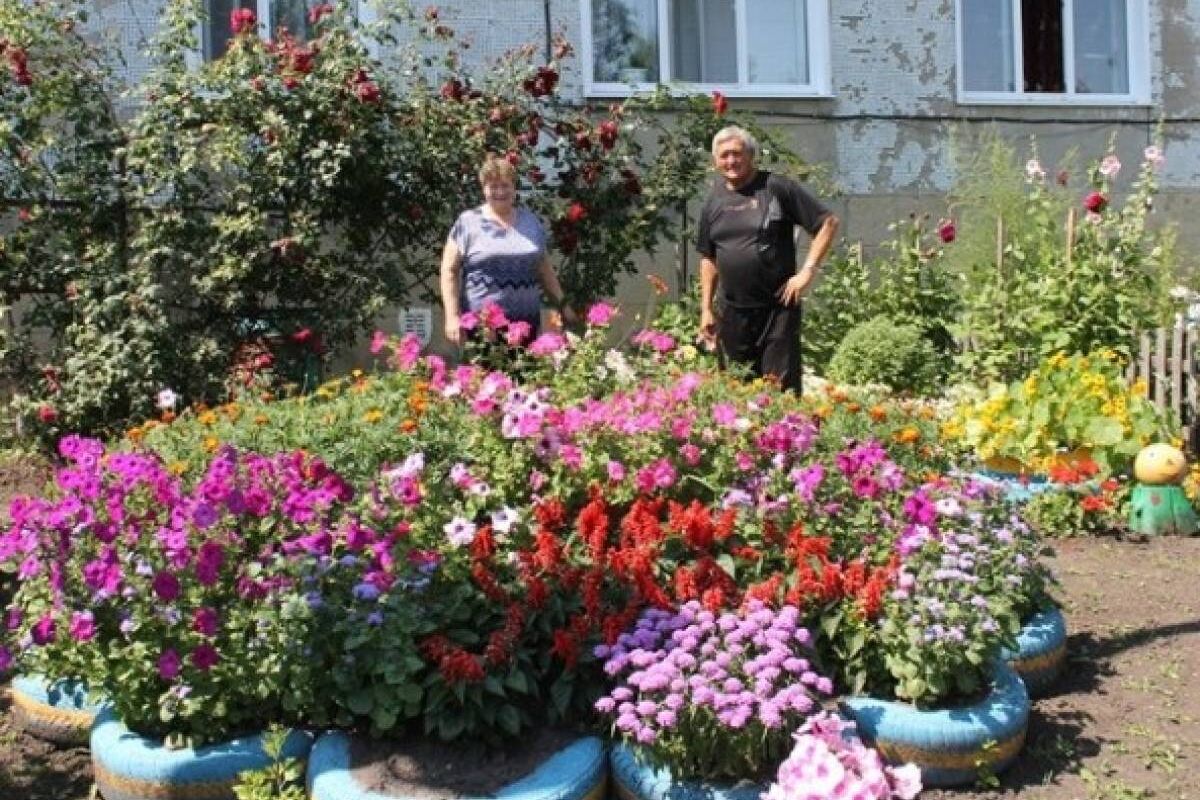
1124	723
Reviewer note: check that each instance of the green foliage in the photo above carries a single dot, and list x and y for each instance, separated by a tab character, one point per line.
883	350
908	283
1041	274
282	779
1079	509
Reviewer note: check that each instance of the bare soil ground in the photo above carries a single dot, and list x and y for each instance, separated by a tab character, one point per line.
1123	723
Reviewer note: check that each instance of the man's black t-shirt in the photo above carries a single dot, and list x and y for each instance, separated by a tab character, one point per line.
749	233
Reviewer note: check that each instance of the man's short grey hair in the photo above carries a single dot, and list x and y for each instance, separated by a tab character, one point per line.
736	132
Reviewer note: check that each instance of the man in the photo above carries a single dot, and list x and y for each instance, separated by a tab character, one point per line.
747	248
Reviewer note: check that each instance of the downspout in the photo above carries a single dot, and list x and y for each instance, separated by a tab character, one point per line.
549	35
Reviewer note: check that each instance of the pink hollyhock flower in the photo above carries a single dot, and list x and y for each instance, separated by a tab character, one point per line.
1110	166
1154	156
600	314
168	665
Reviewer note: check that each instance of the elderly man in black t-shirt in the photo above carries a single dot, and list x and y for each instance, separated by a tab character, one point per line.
748	249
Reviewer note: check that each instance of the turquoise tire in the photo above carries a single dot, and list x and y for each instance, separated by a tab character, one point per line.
1041	651
577	772
58	711
951	746
132	767
636	780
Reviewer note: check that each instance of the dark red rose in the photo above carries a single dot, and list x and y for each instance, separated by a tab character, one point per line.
301	60
536	176
1095	202
302	336
608	134
290	83
367	92
47	413
453	90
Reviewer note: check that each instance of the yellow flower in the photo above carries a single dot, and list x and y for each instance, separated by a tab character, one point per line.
373	416
177	467
207	418
211	443
261	419
1140	388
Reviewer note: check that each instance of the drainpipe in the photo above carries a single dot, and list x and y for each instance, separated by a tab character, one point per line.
549	36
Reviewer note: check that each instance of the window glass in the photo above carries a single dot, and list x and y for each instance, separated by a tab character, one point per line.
704	41
1101	51
777	38
625	41
988	47
1042	40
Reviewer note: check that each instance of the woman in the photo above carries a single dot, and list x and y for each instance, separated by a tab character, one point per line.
497	253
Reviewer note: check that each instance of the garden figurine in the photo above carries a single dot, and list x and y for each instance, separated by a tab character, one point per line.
496	255
745	239
1158	504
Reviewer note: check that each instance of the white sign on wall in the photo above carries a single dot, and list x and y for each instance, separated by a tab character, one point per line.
417	320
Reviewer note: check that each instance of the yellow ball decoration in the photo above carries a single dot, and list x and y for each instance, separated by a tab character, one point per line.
1160	464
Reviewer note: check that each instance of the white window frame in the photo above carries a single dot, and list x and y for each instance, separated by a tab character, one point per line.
365	11
818	30
1137	44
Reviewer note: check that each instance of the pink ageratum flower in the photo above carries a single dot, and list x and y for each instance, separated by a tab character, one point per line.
600	314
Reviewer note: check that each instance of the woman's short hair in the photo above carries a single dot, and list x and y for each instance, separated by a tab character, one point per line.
736	132
497	169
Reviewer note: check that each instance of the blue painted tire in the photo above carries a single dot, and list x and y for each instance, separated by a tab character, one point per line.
577	772
132	767
57	711
951	745
1041	651
636	780
1012	488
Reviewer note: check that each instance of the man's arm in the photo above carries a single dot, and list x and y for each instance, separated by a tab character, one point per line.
708	291
798	284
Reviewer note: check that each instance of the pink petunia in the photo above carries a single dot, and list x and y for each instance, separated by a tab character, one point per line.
600	314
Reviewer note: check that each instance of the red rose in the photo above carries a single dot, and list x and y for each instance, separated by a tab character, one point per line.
608	134
47	414
257	83
241	20
583	141
301	60
576	213
1095	202
947	231
513	157
302	336
317	12
536	176
719	103
24	215
452	90
367	92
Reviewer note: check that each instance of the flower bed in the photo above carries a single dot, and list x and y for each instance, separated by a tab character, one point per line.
473	572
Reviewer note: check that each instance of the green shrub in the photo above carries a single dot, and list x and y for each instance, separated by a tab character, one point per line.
883	351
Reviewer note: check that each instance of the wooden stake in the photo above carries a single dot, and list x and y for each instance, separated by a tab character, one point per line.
1070	234
999	244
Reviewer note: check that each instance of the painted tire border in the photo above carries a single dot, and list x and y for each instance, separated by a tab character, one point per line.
132	767
635	780
1041	651
577	772
947	744
56	711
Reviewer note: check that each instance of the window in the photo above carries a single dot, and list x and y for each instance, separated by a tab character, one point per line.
271	15
742	47
1053	51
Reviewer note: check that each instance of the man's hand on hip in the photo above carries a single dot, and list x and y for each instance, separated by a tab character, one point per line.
795	287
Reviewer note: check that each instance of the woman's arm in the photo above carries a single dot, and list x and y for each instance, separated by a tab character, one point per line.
451	285
553	289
